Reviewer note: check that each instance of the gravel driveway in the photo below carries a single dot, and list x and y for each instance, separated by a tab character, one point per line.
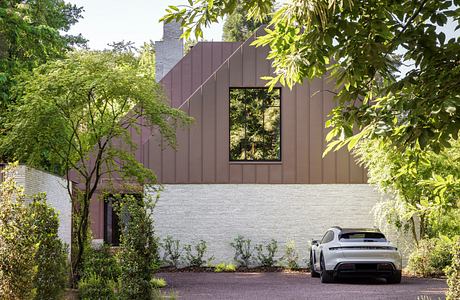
295	286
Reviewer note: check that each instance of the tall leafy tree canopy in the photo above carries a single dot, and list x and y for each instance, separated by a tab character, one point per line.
31	33
80	114
237	26
355	43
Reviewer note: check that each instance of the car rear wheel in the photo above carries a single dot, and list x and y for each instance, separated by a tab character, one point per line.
326	276
395	278
312	267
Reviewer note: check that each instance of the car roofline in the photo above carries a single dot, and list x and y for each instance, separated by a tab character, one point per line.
359	230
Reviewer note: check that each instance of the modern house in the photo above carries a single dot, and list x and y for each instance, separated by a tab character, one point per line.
251	164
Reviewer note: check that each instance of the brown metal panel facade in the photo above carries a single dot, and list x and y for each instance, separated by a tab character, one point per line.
202	155
199	85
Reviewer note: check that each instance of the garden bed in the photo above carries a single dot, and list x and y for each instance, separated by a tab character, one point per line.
239	269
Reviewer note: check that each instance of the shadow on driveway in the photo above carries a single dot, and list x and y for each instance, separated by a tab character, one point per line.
296	286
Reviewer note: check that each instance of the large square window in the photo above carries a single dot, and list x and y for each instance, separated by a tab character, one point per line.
255	124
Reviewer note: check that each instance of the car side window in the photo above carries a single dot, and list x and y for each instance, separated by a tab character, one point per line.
328	237
324	238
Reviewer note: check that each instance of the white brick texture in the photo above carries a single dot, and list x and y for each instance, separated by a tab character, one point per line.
169	51
217	213
55	187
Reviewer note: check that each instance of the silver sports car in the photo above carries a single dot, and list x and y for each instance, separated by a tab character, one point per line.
357	252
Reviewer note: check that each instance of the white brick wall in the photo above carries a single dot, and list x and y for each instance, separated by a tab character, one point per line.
217	213
35	181
169	51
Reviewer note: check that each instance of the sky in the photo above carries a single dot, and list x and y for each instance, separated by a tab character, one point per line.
107	21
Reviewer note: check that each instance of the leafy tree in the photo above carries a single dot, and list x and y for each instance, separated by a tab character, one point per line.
355	43
31	33
424	185
78	114
237	27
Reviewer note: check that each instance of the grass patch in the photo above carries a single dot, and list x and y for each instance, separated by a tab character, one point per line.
158	283
223	267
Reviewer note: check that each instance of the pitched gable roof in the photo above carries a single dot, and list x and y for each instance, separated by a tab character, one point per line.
202	153
195	68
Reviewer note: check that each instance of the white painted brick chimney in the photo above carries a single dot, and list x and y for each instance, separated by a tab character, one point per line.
169	51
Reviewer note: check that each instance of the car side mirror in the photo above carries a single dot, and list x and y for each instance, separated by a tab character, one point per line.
315	242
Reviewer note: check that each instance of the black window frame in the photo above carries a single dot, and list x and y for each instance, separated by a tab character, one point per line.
112	233
249	161
111	223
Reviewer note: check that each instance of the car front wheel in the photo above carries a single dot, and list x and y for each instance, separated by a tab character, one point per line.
312	267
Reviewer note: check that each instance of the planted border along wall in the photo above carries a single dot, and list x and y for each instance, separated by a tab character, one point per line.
217	213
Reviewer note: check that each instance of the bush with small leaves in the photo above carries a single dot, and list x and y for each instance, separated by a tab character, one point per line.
172	252
432	256
17	244
102	262
93	286
51	257
100	274
138	256
291	256
453	274
196	258
243	251
267	259
223	267
33	260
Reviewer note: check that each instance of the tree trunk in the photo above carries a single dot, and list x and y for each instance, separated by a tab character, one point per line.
82	240
414	231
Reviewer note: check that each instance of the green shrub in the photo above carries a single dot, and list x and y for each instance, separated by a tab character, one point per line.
138	257
93	286
243	251
453	274
223	267
101	262
196	258
158	283
100	272
431	256
267	259
17	244
33	260
51	256
172	252
290	256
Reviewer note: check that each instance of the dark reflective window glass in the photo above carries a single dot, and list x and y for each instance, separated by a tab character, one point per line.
112	223
362	237
255	124
328	237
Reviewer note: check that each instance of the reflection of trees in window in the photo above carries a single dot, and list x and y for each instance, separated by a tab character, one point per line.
255	116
